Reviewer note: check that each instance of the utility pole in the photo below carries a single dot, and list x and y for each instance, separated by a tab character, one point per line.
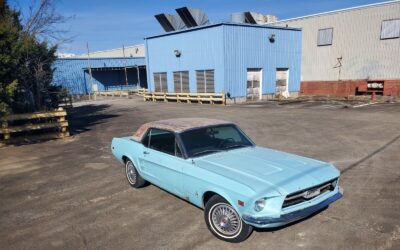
138	75
126	74
90	69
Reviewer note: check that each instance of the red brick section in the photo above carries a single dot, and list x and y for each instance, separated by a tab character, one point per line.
392	88
345	87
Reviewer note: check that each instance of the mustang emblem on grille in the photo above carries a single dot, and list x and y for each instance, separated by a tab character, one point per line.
311	193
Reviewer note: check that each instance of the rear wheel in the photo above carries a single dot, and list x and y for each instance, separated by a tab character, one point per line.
133	176
224	222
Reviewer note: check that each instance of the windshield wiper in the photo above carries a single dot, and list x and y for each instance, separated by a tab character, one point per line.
207	150
235	146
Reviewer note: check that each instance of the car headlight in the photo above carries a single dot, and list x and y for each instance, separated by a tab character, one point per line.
259	204
335	183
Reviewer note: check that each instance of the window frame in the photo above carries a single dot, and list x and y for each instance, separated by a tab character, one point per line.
181	80
178	143
159	81
388	20
327	44
203	72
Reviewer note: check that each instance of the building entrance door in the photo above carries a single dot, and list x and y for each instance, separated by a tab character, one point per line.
254	84
282	78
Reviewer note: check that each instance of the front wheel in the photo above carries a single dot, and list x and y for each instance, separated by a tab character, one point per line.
132	175
224	222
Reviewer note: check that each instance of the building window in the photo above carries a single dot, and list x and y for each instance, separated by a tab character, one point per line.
390	29
181	81
205	81
325	37
160	82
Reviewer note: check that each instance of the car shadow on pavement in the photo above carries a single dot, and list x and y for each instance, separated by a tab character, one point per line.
370	155
82	118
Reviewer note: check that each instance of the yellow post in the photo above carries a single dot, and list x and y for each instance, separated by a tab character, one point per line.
4	125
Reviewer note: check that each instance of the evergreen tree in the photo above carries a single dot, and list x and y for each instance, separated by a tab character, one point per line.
25	67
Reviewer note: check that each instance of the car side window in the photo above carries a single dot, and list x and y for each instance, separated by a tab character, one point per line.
163	141
146	139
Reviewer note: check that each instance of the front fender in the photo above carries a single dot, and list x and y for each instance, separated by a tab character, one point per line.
230	197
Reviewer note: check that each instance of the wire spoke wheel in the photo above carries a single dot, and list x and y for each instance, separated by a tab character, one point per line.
131	172
225	219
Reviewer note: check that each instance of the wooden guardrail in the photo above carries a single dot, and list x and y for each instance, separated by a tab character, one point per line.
65	102
120	93
112	93
48	124
211	98
142	92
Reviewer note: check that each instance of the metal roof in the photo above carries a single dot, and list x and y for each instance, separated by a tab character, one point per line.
99	58
338	11
117	49
268	26
113	68
130	51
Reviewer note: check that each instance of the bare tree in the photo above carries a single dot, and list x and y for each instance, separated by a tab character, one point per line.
43	22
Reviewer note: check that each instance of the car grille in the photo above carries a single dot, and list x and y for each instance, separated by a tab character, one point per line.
309	193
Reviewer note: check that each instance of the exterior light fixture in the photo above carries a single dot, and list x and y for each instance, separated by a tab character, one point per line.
271	38
177	53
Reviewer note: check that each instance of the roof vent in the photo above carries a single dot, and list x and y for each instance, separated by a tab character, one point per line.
252	17
170	22
238	17
192	17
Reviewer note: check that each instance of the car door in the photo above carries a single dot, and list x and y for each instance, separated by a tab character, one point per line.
161	161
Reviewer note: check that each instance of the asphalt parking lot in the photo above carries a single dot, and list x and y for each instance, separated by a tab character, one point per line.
73	194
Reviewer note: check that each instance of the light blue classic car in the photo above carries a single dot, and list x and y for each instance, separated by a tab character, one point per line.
215	166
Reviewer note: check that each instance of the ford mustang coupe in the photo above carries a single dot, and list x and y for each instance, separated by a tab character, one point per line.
215	166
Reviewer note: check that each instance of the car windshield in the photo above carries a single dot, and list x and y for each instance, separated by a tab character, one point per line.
203	141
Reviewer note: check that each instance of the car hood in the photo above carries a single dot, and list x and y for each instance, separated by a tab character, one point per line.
267	171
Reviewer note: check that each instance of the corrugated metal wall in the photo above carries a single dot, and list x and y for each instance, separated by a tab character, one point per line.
229	50
356	38
200	49
249	47
70	73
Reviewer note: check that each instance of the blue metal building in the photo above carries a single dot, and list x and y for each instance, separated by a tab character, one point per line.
107	74
246	61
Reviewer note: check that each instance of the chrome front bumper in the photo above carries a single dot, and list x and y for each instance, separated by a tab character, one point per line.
265	222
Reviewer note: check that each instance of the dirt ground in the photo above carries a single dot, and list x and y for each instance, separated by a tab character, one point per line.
72	193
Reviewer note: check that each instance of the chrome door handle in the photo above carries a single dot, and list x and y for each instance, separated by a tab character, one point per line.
146	152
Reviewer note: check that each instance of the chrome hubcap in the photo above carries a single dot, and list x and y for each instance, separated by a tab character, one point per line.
225	219
131	173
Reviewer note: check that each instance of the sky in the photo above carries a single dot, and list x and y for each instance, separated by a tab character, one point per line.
108	24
